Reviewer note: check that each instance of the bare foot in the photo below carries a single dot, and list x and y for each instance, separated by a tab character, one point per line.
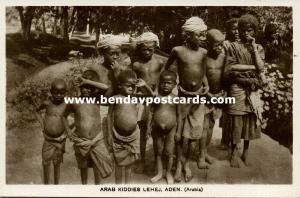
235	162
209	159
188	174
245	159
156	178
202	164
170	179
178	175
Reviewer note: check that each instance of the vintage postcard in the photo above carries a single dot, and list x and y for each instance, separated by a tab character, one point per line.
137	98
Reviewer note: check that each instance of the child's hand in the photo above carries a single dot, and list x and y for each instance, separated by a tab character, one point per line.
253	43
115	65
140	83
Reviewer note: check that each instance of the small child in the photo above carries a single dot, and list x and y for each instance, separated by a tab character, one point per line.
89	144
147	67
192	82
123	130
53	129
164	126
243	70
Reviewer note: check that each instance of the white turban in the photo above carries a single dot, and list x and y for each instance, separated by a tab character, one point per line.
111	40
194	24
147	37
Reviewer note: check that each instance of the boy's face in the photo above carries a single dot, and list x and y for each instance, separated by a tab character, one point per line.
166	84
147	50
112	54
234	32
247	33
128	87
58	93
86	91
217	47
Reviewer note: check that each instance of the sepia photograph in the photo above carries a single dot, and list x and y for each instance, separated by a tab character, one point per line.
69	70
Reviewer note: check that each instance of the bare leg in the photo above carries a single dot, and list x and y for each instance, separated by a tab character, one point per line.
235	159
202	147
178	172
46	170
84	175
56	173
169	176
159	167
118	174
127	174
186	160
96	175
143	142
245	152
208	158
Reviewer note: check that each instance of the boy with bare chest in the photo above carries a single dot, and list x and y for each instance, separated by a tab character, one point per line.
53	129
192	82
214	63
123	130
89	144
147	67
164	126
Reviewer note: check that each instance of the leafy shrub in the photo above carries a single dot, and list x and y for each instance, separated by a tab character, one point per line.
278	104
34	92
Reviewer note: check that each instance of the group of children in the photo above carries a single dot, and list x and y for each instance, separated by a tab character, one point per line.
229	67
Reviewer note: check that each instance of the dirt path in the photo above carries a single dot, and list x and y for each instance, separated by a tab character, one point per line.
271	162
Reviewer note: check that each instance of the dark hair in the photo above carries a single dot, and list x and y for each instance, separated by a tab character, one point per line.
214	35
58	83
248	19
125	75
229	23
168	73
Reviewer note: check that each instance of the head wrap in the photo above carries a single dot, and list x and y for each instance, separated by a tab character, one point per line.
147	37
194	24
214	35
111	40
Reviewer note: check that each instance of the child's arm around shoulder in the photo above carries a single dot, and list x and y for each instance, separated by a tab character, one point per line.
142	83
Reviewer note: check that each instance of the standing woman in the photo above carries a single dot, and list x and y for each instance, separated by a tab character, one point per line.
243	75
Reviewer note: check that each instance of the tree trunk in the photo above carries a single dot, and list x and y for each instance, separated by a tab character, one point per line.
43	25
72	20
26	16
55	22
64	24
97	29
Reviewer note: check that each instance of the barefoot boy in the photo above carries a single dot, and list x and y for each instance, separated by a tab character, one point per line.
243	67
214	63
147	67
53	129
123	127
89	144
192	82
232	35
164	126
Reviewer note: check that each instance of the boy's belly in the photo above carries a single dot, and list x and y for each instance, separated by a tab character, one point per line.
165	118
125	119
88	128
190	82
53	126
